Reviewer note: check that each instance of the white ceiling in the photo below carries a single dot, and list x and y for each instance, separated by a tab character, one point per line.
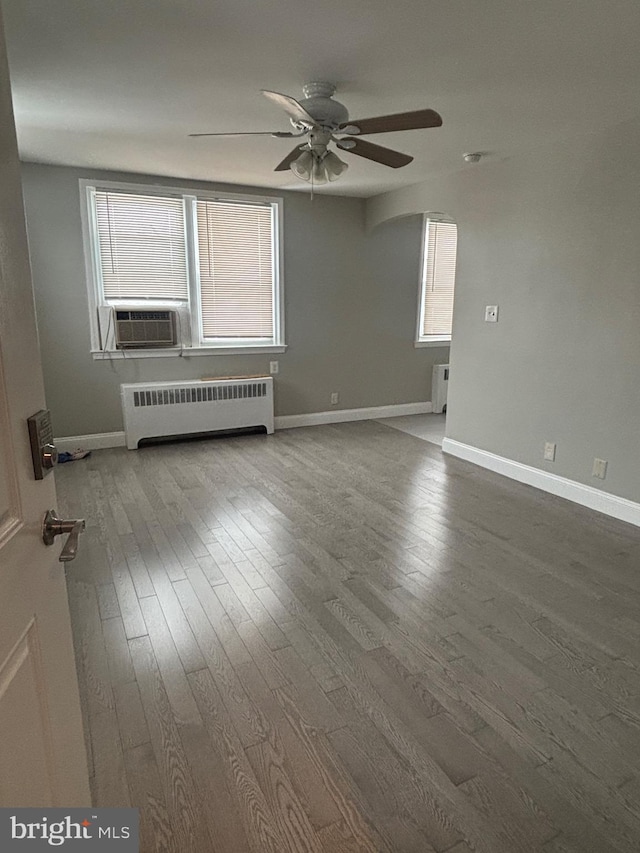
118	84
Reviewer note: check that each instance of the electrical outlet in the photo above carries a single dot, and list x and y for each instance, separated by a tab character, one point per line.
274	367
491	314
599	468
334	398
549	451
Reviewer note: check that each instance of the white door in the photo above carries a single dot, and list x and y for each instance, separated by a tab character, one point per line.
42	754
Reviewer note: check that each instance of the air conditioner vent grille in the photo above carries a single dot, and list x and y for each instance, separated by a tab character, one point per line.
143	315
145	329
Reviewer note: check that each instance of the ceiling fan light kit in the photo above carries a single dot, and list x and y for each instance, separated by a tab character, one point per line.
316	163
325	120
303	166
318	168
333	165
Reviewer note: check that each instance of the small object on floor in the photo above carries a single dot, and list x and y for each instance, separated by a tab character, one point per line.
72	457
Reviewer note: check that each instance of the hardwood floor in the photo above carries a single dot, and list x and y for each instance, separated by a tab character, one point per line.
430	427
337	639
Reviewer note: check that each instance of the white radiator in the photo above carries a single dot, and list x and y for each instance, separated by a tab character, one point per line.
439	387
158	409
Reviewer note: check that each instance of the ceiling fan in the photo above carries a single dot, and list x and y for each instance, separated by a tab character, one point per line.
322	120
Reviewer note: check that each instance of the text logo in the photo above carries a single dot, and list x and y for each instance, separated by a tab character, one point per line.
102	830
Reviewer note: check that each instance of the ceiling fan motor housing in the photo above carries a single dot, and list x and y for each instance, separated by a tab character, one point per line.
320	105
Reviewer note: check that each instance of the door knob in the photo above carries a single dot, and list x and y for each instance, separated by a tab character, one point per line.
53	526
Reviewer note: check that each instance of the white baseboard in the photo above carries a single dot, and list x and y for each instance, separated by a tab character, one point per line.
604	502
102	440
96	441
338	416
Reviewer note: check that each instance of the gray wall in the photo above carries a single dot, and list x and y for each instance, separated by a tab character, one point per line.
350	303
553	237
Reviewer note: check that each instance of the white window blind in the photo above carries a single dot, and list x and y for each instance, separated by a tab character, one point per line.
439	273
141	246
237	274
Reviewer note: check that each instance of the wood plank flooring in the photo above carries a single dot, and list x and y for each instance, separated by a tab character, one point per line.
337	639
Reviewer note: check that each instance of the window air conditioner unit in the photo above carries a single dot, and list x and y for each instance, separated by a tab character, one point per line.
138	328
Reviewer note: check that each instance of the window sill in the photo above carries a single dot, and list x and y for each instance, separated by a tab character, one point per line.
185	352
436	341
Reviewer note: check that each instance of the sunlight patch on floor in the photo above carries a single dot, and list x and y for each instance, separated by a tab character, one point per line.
428	427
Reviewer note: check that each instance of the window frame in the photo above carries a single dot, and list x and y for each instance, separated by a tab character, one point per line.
420	339
189	310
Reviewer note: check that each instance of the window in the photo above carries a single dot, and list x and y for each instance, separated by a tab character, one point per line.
437	282
215	259
235	265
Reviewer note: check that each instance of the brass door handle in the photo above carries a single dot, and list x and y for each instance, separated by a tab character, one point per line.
53	526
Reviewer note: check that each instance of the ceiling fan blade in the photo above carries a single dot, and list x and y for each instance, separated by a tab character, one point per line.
375	152
399	121
292	108
288	160
279	134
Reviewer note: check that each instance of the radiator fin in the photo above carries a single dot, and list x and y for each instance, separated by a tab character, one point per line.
201	394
